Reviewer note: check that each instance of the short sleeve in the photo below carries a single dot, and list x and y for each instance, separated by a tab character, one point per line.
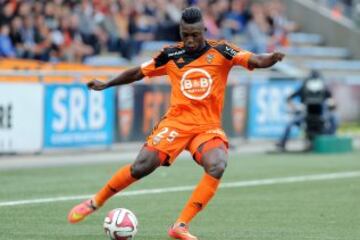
156	66
234	54
242	58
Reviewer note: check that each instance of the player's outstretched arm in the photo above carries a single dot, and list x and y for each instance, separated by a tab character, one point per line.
265	60
126	77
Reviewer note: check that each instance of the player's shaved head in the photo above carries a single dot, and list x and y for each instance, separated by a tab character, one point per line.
191	15
192	29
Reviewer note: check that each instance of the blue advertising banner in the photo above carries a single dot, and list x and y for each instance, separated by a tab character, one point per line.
77	117
268	112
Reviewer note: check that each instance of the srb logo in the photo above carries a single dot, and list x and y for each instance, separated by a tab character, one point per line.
196	84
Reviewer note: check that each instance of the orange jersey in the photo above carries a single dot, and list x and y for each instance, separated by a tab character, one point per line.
198	81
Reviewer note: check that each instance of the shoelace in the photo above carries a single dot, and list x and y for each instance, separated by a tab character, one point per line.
91	205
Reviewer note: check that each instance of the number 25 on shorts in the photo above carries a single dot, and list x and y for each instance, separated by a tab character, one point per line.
164	133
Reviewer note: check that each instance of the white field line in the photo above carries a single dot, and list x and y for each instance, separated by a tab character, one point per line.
251	183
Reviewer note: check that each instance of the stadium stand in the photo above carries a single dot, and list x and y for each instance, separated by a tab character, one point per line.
75	30
122	33
342	8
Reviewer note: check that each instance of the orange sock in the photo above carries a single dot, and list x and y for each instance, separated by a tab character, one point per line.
202	194
120	180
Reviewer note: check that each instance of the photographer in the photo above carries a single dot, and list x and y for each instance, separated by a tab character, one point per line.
315	111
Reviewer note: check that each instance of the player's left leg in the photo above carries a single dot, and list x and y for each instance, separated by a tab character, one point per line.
212	155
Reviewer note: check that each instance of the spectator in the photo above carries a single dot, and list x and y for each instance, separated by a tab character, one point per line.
166	20
236	20
209	16
82	28
280	24
7	13
221	8
38	8
259	29
116	24
50	18
28	36
6	47
141	28
86	23
16	37
24	9
73	48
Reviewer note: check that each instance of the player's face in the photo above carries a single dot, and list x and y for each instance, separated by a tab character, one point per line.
192	36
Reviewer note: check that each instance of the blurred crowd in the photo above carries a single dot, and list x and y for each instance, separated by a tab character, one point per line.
71	30
343	8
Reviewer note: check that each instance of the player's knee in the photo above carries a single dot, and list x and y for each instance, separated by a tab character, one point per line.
144	166
216	167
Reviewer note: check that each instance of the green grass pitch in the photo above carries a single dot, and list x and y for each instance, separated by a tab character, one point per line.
313	210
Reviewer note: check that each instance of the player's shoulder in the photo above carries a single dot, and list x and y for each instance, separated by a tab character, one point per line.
173	50
225	48
168	53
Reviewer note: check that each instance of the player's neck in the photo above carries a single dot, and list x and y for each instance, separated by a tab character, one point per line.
200	48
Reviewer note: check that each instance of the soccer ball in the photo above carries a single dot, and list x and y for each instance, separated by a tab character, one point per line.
120	224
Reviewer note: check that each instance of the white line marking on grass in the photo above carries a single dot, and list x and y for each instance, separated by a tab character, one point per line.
251	183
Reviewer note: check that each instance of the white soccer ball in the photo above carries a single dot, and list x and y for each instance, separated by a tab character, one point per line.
120	224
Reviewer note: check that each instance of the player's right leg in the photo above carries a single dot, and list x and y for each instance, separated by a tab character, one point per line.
146	162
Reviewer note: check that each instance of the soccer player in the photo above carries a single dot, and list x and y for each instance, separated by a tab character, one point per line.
198	70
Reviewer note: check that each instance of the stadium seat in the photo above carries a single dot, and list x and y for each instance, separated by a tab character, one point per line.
317	51
19	78
71	66
58	79
154	46
106	61
344	65
20	64
305	39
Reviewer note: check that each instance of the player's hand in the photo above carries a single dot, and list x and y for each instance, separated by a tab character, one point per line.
96	85
277	56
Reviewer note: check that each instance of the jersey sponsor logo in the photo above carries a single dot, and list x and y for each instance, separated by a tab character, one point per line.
196	84
176	53
230	51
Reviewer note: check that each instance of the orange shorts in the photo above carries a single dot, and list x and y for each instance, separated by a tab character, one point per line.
172	137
